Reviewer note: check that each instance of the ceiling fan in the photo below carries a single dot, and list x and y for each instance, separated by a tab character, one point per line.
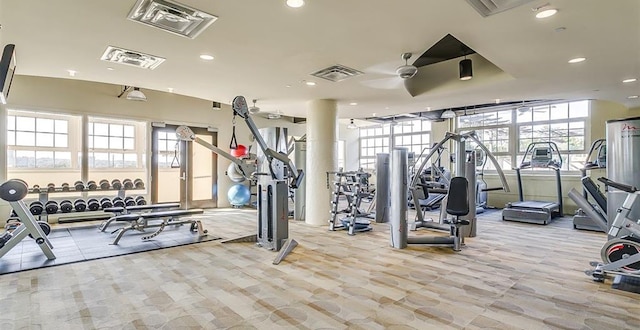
400	74
254	109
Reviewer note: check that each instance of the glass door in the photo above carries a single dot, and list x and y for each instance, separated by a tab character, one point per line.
183	172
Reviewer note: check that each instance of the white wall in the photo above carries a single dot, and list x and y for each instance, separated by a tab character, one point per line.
80	97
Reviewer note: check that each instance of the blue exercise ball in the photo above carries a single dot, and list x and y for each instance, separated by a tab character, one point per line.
239	195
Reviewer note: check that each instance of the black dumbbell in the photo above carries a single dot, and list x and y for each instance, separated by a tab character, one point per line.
46	229
51	207
140	200
79	185
66	206
80	205
118	202
105	202
51	187
129	201
116	184
138	183
65	186
93	204
104	184
128	184
91	185
36	208
36	189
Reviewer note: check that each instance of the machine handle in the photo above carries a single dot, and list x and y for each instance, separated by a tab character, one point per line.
492	189
617	185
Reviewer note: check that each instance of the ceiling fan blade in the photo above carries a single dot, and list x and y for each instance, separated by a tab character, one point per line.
384	83
386	68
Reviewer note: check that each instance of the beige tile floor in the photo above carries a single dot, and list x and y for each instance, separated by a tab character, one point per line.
511	276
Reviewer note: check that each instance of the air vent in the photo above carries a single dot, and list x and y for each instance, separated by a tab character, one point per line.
130	57
171	16
336	73
492	7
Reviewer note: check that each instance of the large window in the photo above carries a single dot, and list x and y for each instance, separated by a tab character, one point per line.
414	135
36	140
113	144
508	133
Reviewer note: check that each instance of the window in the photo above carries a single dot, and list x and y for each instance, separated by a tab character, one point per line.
168	145
561	123
36	140
112	144
414	135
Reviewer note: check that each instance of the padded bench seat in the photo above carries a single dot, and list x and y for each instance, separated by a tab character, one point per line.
140	221
119	211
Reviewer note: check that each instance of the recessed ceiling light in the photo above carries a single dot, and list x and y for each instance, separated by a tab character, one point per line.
497	101
310	83
295	3
577	60
632	97
630	80
288	86
546	13
374	114
206	57
353	103
170	89
72	73
110	69
428	108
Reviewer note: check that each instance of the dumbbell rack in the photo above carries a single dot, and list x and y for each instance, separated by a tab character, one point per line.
43	197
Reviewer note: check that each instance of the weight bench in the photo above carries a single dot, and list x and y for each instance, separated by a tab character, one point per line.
140	222
119	210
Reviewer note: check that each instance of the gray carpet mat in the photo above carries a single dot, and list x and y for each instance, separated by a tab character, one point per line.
88	243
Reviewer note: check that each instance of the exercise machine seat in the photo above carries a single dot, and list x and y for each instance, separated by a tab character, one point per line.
458	201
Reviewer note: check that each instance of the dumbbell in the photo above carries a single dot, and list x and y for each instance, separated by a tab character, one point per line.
116	184
104	184
79	185
91	185
138	183
51	207
66	206
51	187
105	203
36	208
36	189
128	184
117	201
140	200
46	229
129	201
93	204
80	205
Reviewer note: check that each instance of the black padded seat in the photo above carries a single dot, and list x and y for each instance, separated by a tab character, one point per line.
158	215
121	209
458	201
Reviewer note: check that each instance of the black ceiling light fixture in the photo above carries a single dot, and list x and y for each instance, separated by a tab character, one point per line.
466	69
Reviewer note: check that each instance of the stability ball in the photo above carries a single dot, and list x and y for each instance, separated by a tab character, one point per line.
239	151
234	173
239	195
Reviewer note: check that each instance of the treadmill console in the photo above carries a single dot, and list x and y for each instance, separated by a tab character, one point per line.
541	157
601	161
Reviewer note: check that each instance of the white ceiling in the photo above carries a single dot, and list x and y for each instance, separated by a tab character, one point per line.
263	46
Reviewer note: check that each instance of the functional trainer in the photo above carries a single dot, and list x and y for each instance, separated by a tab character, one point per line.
537	155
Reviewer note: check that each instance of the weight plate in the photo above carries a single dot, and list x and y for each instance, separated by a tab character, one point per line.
13	190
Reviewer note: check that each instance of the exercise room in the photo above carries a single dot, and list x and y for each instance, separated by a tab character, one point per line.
320	164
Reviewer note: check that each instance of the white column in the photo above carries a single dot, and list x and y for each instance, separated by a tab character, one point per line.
322	151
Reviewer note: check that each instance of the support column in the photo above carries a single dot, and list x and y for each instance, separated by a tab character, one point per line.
322	150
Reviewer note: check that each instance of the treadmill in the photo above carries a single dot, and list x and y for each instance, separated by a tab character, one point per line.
537	155
581	220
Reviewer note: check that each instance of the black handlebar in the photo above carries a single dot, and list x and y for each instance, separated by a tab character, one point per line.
618	185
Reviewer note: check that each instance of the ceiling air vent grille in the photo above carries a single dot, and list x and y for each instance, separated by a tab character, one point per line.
131	57
171	16
491	7
336	73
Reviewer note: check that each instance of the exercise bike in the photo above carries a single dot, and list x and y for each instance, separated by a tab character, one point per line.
621	253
